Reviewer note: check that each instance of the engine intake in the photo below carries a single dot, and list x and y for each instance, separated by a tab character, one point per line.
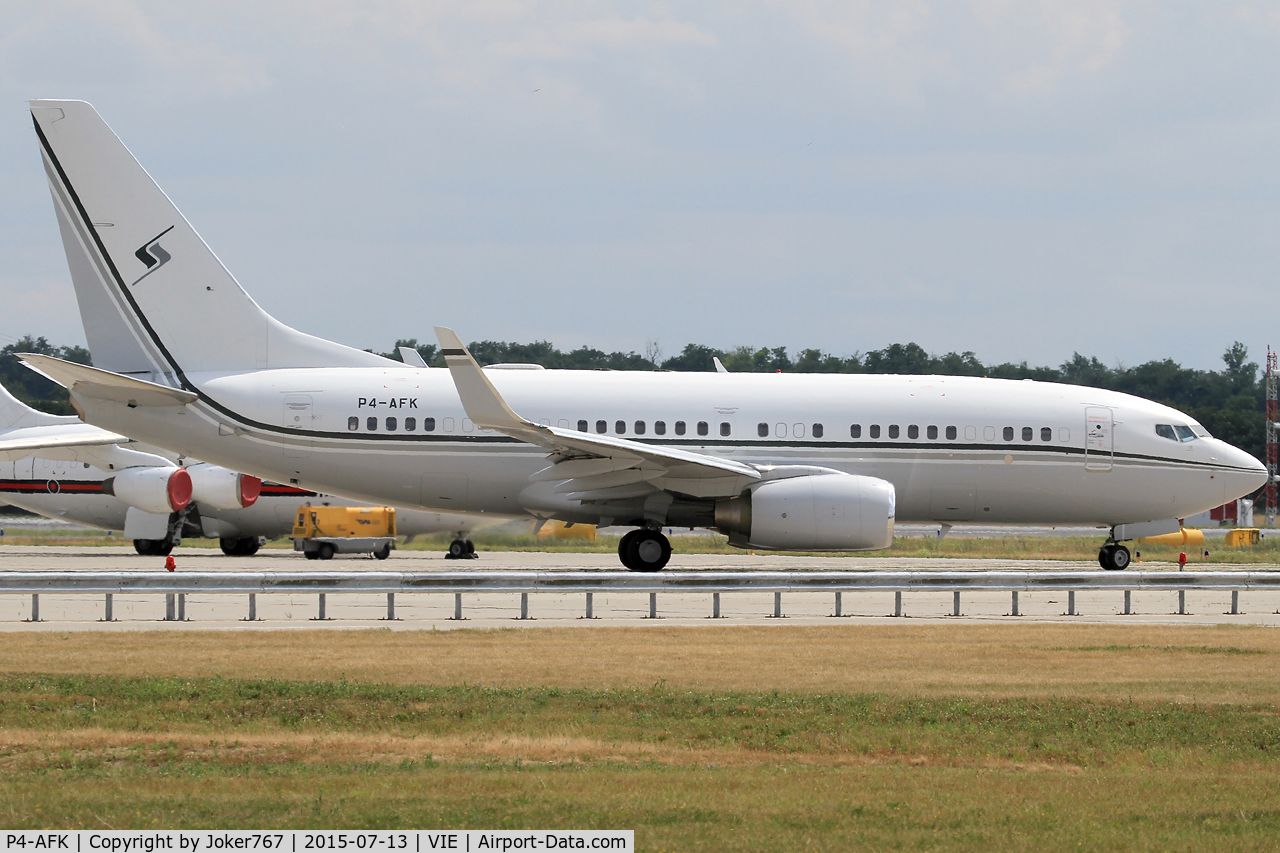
222	488
154	490
829	512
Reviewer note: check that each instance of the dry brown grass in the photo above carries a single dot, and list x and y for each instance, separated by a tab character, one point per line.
1150	663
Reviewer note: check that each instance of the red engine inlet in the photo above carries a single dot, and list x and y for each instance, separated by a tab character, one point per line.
250	489
179	490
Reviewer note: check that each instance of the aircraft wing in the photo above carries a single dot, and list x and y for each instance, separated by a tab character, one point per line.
29	441
593	467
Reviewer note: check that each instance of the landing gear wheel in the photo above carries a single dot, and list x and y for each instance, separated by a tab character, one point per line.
457	550
145	547
383	552
647	551
1114	558
250	546
325	551
471	548
231	547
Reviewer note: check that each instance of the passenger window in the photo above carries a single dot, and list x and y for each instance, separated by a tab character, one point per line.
780	430
391	424
620	427
874	430
660	427
353	422
582	426
679	427
893	430
931	433
640	427
1064	435
1166	431
913	431
951	433
1046	433
762	430
372	424
797	430
602	427
1185	433
988	433
410	424
1008	433
855	431
448	424
1028	433
725	429
703	429
817	430
428	424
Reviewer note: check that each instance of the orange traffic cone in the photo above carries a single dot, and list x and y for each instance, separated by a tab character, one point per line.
169	564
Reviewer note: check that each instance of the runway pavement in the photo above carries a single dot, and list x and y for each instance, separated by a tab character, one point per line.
434	611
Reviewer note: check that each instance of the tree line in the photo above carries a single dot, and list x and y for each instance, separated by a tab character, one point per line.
1227	402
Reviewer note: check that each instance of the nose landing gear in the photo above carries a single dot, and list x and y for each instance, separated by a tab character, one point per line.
644	551
1114	557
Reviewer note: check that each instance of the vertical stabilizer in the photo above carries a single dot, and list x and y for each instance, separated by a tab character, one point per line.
153	297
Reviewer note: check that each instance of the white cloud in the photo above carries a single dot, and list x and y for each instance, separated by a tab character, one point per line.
1064	37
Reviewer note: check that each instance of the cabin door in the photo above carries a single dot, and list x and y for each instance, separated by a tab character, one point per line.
299	414
1098	451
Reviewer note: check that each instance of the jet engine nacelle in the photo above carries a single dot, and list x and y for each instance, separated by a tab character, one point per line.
828	512
154	490
222	488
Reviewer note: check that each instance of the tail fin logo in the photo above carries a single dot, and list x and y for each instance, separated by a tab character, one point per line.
152	255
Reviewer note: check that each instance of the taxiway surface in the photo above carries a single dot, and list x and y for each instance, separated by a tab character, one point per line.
418	611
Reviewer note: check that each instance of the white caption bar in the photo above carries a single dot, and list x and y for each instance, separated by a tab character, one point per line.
306	841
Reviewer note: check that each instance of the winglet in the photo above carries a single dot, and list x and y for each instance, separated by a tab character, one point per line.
483	404
720	368
411	357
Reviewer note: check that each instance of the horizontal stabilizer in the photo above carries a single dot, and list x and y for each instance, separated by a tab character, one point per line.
104	385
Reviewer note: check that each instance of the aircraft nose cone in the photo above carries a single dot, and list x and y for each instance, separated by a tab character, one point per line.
1248	474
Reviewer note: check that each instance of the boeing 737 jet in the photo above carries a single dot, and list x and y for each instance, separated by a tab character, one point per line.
186	360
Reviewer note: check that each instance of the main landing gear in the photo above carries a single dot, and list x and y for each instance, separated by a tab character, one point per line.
1114	557
644	551
239	547
461	549
154	547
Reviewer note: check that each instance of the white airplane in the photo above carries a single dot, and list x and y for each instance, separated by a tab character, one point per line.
89	476
186	360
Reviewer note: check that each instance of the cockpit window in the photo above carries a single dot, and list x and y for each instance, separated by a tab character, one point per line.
1184	433
1200	431
1166	431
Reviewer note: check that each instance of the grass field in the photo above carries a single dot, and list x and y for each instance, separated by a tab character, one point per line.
953	737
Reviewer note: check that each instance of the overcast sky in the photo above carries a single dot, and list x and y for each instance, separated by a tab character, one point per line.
1021	179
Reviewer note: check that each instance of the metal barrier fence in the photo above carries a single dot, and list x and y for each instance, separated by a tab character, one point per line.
176	586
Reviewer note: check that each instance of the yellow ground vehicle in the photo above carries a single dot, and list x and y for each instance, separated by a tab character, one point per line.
319	532
1244	537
